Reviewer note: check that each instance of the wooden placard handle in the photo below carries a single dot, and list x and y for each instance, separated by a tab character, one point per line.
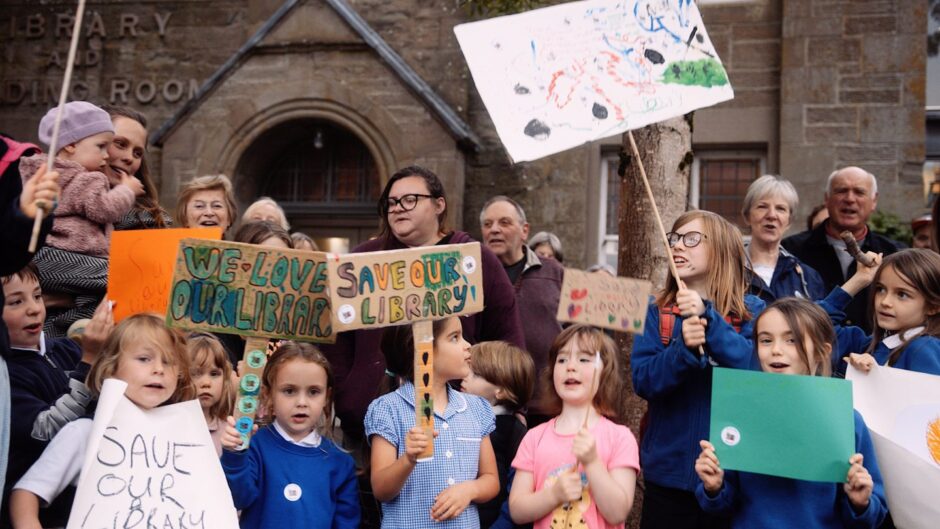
424	378
249	387
851	246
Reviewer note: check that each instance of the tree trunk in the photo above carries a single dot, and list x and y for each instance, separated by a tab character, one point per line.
666	152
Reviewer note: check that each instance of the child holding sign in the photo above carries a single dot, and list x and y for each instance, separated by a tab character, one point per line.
462	472
708	312
292	475
795	337
153	361
578	469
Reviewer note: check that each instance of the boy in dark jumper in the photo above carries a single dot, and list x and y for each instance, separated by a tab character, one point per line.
47	376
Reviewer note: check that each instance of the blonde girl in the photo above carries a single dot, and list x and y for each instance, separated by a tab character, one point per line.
153	361
905	308
704	321
442	491
504	375
795	337
292	475
215	384
578	468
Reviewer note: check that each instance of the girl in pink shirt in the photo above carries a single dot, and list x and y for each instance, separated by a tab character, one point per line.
579	469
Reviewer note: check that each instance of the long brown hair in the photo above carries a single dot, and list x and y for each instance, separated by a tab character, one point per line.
805	320
149	201
286	351
919	268
726	277
206	351
131	332
590	339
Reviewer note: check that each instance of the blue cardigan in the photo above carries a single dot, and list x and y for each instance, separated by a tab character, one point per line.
791	277
677	383
922	354
277	484
771	502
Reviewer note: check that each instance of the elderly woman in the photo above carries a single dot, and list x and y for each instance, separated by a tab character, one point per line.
768	209
205	202
127	153
266	209
413	209
547	244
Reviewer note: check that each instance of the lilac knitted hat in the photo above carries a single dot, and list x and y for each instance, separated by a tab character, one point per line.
79	121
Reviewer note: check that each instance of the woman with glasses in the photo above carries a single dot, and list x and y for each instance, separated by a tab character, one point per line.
775	273
205	202
413	209
703	321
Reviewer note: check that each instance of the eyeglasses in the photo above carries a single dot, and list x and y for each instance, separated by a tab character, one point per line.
407	202
689	239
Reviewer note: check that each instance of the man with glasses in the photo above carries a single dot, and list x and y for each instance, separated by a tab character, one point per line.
536	281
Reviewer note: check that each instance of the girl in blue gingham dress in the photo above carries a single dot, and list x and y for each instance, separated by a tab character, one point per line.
443	491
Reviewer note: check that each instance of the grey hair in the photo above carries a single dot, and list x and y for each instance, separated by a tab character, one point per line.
503	198
549	238
768	186
874	181
282	220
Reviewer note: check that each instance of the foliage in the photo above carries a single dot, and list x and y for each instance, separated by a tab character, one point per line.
891	226
498	7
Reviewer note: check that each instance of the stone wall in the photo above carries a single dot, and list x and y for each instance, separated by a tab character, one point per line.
852	93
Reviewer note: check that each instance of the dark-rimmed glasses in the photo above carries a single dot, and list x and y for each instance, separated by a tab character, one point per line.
690	239
407	202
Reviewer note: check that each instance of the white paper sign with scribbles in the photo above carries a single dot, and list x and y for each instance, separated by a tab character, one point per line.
902	412
154	468
561	76
616	303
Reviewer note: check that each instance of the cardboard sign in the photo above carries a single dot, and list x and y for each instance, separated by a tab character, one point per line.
793	426
155	468
902	412
250	290
141	265
616	303
565	75
396	287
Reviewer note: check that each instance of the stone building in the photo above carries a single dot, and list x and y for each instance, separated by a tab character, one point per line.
317	102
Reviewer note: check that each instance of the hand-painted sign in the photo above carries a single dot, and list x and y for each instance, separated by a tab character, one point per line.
250	290
616	303
561	76
154	468
396	287
140	267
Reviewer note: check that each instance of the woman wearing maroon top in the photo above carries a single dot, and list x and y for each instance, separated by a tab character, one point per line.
413	208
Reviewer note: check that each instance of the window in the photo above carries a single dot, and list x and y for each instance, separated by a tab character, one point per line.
609	208
720	180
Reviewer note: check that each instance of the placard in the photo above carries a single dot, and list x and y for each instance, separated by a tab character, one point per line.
140	267
616	303
902	412
565	75
793	426
154	468
397	287
250	290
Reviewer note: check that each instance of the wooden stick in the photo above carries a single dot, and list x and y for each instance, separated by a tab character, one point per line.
423	332
851	245
249	387
50	158
659	221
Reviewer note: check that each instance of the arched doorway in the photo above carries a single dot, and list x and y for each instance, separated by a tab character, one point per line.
323	175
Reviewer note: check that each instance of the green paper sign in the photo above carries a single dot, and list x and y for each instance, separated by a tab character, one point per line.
793	426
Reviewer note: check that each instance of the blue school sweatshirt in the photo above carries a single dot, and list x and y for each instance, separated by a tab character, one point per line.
771	502
677	384
922	354
278	484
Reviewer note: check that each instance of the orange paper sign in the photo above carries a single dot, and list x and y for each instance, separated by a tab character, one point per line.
141	267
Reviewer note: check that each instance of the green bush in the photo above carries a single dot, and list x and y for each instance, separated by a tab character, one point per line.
891	226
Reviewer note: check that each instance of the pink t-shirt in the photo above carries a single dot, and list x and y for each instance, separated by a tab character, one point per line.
547	454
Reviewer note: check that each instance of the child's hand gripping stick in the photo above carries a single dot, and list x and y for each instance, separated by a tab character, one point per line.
851	246
424	378
249	387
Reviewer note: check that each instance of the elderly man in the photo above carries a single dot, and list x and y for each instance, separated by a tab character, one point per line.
537	282
851	197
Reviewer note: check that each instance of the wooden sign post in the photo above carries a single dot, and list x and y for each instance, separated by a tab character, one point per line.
255	292
415	286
